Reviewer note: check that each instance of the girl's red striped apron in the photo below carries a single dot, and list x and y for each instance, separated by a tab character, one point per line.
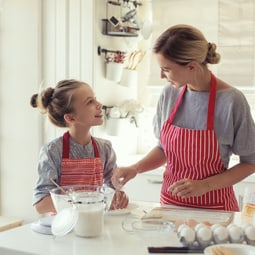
80	171
194	154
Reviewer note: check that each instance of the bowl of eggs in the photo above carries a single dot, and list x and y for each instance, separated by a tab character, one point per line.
216	234
230	249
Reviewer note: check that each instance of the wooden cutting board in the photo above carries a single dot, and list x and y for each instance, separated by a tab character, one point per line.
8	223
186	215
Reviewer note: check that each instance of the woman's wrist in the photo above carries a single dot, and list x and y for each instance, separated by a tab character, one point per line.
208	185
136	168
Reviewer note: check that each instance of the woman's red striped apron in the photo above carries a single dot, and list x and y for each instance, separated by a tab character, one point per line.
81	171
194	154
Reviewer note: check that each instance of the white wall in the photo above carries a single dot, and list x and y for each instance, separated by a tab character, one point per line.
41	41
67	43
20	126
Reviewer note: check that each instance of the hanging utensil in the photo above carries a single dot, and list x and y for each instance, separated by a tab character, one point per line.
130	60
137	59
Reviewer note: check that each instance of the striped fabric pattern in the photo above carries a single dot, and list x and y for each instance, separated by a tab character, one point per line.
82	172
186	151
194	154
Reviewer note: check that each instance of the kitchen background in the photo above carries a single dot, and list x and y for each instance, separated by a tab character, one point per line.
44	41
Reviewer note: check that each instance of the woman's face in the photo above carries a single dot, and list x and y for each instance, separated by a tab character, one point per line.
87	111
174	73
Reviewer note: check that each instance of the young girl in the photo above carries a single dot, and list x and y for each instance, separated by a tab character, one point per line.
72	105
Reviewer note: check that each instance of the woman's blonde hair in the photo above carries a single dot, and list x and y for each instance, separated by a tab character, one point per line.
183	44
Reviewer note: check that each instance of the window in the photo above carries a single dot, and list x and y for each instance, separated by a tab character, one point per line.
229	24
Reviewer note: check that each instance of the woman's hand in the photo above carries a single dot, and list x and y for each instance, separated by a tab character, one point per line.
188	188
122	175
119	201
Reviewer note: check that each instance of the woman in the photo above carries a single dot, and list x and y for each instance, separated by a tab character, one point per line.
72	105
200	121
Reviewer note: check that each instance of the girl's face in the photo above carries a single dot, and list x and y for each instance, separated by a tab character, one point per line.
87	111
174	73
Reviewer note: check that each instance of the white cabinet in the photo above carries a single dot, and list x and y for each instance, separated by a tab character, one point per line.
145	187
240	187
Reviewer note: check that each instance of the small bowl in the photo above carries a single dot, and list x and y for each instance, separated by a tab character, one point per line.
238	249
154	232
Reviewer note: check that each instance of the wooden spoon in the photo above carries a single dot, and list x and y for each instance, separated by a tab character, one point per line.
137	59
131	60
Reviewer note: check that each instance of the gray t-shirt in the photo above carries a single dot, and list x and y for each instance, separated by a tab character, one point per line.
50	160
233	122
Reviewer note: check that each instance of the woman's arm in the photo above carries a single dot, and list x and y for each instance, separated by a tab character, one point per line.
154	159
231	176
187	188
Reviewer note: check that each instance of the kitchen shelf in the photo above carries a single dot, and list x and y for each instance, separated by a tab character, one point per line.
110	30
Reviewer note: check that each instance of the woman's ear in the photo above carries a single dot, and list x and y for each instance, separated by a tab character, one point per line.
68	118
192	65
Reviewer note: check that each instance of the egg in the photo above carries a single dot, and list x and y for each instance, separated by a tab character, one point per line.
230	226
220	235
198	226
214	226
207	223
191	223
178	223
182	226
249	233
204	236
236	234
187	236
245	225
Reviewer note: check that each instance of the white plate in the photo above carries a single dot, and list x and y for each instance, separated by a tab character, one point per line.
43	225
41	229
124	211
238	249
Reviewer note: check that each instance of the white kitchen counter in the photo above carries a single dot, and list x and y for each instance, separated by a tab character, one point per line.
114	241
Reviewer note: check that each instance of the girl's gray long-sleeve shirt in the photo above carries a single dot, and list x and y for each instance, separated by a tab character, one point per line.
50	161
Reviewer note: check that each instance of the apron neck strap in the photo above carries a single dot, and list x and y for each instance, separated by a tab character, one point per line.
66	146
65	151
96	151
171	117
211	104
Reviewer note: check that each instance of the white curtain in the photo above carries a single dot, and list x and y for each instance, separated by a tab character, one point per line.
236	29
230	24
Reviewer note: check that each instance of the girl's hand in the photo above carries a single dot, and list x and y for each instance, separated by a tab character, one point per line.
188	188
119	201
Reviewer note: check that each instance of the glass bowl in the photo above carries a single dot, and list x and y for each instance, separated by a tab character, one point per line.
66	196
154	232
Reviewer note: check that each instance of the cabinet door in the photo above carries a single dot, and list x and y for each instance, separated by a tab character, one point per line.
239	190
144	187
